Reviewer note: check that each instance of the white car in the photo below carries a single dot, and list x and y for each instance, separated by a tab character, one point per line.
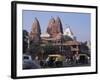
28	63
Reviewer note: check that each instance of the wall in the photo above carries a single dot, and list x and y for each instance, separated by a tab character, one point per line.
5	40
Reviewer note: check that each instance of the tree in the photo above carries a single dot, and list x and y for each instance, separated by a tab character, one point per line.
25	40
50	49
34	49
67	38
84	48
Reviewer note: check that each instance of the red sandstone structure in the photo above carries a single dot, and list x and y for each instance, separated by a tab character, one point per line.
55	35
35	31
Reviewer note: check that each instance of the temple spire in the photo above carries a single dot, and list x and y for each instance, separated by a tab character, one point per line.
54	27
35	31
36	26
59	25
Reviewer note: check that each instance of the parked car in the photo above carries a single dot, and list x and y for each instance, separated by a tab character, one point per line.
83	59
28	63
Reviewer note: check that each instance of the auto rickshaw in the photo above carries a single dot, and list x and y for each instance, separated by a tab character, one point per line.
55	60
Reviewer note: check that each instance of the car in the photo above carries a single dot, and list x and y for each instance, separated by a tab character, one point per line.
83	59
28	63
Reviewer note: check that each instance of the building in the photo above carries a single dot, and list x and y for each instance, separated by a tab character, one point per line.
65	42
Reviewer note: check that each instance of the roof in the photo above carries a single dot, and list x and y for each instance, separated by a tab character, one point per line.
72	42
45	35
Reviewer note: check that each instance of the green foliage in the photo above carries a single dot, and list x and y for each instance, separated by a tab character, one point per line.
25	41
35	48
50	49
67	38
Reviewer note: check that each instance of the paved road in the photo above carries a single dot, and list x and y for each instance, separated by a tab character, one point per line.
65	64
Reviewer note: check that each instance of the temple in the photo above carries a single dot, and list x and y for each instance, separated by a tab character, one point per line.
64	41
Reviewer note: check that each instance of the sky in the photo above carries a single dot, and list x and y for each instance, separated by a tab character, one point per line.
80	23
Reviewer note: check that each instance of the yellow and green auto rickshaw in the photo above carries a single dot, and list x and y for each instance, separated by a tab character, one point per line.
55	60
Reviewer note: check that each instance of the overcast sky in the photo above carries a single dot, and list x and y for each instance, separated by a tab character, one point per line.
78	22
